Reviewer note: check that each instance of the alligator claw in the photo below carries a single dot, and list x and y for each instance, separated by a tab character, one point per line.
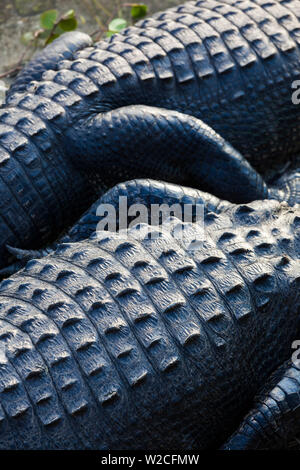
25	255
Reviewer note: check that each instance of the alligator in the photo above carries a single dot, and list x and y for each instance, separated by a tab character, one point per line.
154	340
199	95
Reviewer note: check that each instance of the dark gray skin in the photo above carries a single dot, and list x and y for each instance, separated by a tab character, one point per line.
154	101
119	343
145	344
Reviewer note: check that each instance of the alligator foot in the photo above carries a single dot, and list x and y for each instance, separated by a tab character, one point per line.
274	421
142	136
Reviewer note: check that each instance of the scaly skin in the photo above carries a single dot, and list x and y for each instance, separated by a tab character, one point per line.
95	115
113	343
145	192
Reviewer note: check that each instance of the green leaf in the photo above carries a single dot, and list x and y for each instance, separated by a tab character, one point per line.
138	11
117	25
26	38
110	33
48	18
68	24
51	38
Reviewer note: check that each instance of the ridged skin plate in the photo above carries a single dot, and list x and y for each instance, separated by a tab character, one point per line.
127	344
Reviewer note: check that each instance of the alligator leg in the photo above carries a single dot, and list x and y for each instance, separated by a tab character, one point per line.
274	421
63	48
197	156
